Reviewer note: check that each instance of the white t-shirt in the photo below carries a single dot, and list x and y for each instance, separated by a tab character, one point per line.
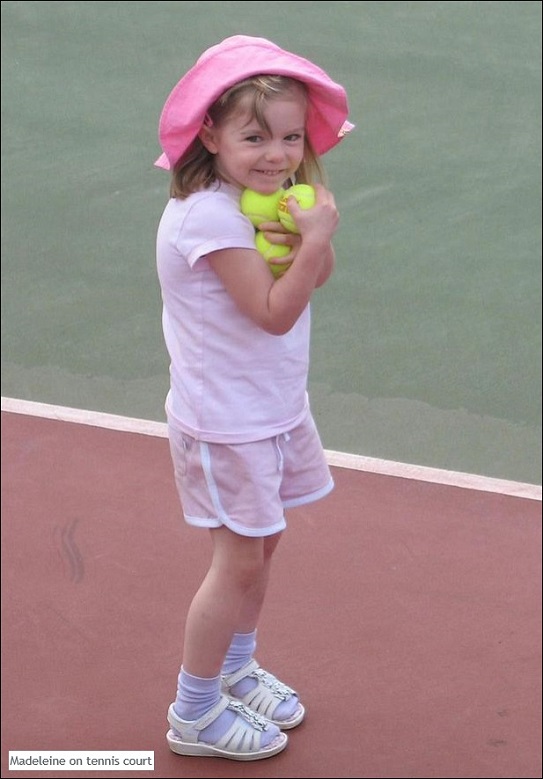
230	381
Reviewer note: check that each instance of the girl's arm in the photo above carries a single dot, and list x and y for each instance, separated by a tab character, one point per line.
329	262
275	304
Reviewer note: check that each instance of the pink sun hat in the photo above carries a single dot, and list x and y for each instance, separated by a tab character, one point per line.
233	60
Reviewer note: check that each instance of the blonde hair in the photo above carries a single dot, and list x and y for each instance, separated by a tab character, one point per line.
196	168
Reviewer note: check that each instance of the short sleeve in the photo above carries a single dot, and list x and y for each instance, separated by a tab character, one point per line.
212	222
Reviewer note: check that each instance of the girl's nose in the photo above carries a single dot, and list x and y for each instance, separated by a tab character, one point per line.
274	151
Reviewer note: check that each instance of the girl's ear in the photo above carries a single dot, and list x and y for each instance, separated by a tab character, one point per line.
206	135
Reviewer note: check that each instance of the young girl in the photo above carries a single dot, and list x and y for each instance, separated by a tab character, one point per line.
243	442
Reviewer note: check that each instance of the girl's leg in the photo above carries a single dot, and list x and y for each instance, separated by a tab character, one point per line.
229	599
254	598
237	569
243	644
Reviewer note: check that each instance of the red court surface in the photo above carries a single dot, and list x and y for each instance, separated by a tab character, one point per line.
407	614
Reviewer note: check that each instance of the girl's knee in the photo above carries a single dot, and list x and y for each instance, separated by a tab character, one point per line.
247	571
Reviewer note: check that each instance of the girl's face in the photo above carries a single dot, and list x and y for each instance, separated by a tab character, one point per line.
248	155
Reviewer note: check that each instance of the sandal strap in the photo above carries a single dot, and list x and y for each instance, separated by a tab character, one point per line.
277	689
193	727
211	715
238	707
243	735
241	673
255	720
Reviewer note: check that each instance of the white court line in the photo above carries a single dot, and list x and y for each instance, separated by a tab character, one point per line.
338	459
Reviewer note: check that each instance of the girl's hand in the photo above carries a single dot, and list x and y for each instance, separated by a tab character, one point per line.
319	223
316	225
275	233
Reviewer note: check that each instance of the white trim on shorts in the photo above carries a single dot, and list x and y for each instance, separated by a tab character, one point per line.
287	504
311	497
223	518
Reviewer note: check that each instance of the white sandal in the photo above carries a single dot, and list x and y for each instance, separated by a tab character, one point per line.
240	742
266	696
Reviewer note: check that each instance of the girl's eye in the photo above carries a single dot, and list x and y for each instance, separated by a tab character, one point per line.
254	138
294	137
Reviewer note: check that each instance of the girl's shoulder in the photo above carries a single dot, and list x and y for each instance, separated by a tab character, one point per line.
210	213
223	197
217	193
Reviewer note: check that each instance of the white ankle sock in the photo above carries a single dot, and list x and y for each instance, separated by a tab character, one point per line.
240	651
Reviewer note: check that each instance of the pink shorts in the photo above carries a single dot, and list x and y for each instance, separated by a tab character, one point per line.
247	486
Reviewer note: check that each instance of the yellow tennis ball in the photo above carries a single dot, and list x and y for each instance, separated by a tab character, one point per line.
272	251
304	194
260	208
